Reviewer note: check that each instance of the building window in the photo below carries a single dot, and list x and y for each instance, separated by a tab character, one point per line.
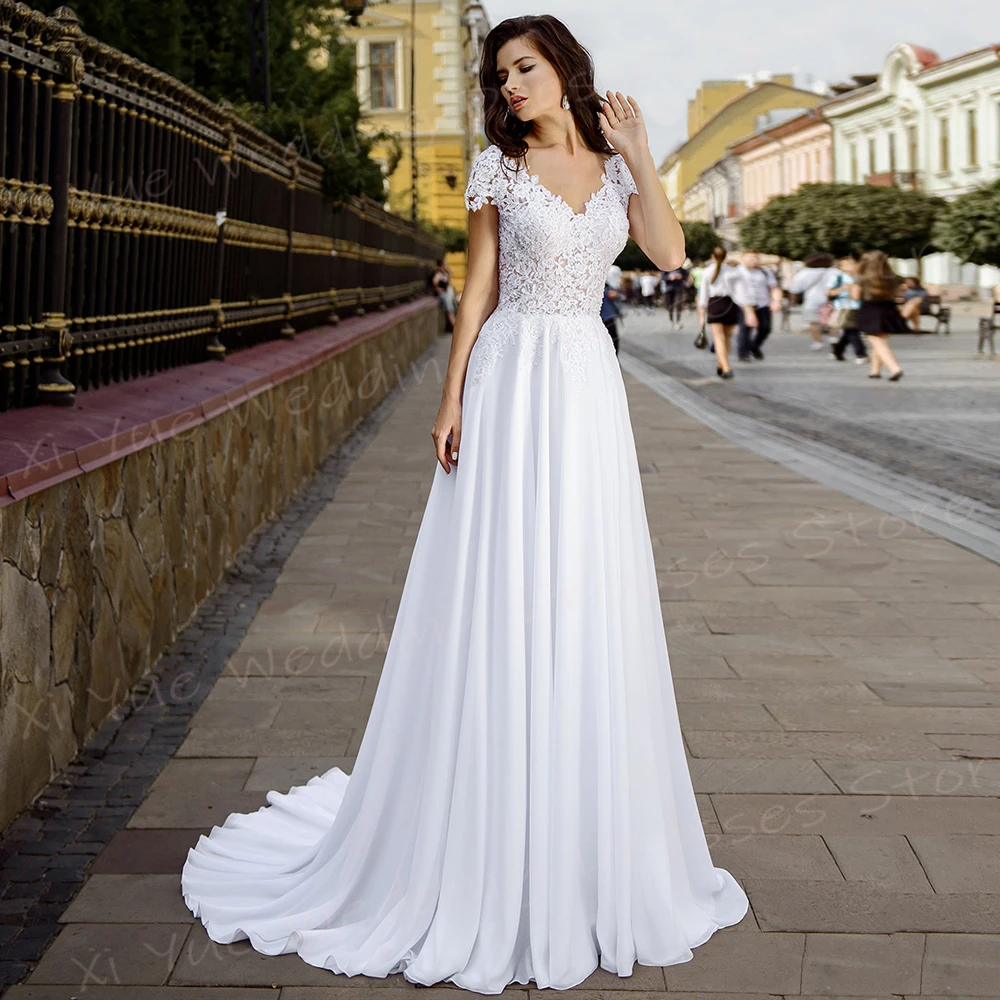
871	156
911	143
854	163
944	147
972	133
892	153
382	74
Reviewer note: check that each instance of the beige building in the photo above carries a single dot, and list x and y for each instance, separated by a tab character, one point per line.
722	112
781	158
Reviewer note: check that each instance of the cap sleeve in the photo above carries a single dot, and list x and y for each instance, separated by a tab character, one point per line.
626	181
484	180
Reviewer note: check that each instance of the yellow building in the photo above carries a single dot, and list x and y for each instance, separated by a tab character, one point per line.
722	112
445	36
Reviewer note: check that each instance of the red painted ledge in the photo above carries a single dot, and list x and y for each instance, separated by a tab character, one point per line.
44	445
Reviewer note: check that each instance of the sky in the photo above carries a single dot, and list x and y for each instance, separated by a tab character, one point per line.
660	50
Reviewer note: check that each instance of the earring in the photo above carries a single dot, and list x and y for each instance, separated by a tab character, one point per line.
565	103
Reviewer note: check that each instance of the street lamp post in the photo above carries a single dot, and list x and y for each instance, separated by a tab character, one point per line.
413	110
354	9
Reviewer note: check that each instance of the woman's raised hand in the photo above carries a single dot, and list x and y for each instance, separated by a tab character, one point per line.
623	125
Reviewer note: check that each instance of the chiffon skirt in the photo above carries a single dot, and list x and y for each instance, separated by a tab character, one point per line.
520	808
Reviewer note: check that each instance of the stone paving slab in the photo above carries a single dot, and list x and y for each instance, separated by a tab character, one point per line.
837	686
104	953
95	992
881	862
281	773
859	963
156	852
749	775
202	962
783	905
128	899
856	814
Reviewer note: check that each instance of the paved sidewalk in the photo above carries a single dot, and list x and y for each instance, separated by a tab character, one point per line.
838	679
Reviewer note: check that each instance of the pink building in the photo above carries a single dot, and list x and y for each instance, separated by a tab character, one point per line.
781	158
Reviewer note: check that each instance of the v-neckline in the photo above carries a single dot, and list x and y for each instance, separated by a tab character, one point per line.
605	180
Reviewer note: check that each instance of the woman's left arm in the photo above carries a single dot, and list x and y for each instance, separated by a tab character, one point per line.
652	222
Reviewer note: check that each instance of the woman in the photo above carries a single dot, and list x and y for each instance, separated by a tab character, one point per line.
445	291
520	809
810	283
674	285
914	302
876	287
717	308
845	311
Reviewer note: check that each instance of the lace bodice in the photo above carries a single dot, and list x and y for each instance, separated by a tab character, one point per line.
552	259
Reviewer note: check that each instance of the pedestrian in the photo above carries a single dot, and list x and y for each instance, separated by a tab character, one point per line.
876	288
674	283
696	275
754	289
611	305
647	284
811	283
914	302
786	311
718	309
445	291
615	279
845	311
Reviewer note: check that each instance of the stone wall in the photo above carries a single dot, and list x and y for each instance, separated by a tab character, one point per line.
100	572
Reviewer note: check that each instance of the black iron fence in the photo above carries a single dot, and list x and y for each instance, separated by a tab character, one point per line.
143	227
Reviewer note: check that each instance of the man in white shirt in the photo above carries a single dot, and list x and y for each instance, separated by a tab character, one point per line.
754	290
648	283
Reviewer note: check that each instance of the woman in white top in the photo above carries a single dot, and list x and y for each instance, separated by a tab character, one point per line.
717	307
811	284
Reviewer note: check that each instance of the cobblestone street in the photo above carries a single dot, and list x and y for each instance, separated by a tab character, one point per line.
941	423
836	668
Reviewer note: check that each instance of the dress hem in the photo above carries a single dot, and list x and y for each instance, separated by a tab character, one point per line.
239	934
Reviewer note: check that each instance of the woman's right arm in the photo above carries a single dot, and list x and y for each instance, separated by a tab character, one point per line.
479	299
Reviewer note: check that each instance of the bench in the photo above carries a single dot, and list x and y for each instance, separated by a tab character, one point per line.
988	326
940	313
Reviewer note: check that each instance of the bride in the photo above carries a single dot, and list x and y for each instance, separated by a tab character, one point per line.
520	808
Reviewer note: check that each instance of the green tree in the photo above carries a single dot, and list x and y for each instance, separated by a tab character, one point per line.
632	258
970	226
701	239
772	229
455	240
845	219
205	44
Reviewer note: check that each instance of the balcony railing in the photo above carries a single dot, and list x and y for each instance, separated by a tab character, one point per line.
908	180
143	227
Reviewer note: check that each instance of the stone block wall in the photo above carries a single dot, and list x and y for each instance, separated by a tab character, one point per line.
100	572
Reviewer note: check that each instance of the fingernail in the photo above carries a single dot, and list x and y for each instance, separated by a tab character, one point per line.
454	456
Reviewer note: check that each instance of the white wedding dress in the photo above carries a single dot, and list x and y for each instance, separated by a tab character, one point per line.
520	808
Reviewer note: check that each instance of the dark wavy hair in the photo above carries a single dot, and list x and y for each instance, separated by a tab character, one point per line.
574	66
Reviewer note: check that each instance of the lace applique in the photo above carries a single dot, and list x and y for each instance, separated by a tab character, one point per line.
577	340
552	261
483	177
623	178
